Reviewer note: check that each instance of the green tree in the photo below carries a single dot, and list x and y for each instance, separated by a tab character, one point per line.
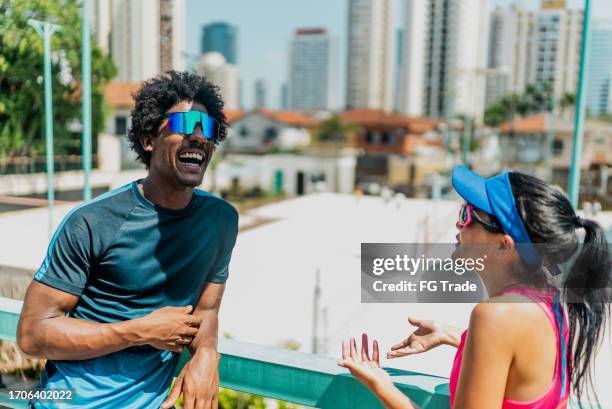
21	77
538	97
333	130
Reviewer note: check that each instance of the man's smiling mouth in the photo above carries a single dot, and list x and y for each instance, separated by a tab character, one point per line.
191	159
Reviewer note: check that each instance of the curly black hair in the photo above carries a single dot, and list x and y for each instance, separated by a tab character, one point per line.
159	94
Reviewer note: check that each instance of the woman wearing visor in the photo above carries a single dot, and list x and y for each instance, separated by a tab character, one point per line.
527	346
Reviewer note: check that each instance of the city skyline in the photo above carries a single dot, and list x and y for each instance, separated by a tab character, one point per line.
264	38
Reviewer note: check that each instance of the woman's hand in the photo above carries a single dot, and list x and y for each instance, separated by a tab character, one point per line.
428	335
369	372
366	370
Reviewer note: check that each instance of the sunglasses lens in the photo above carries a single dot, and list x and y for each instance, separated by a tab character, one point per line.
463	215
186	122
177	122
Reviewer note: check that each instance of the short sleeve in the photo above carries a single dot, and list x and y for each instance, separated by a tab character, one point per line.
220	270
67	264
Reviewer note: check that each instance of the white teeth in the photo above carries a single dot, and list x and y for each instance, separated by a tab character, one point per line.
191	155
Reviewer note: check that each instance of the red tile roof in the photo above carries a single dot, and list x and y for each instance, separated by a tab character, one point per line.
119	94
375	118
290	117
531	124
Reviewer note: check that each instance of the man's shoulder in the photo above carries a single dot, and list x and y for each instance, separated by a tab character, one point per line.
219	206
114	204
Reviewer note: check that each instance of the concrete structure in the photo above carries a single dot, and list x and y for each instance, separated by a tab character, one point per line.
145	38
443	73
222	74
220	37
599	86
263	130
312	84
370	61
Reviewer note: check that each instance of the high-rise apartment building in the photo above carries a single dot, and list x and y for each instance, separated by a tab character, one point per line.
144	37
599	85
311	83
220	37
444	66
223	74
261	93
370	62
529	47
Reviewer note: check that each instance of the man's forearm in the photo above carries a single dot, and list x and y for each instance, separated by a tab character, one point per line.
209	329
64	338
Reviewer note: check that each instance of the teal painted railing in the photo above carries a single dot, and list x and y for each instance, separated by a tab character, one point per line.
296	377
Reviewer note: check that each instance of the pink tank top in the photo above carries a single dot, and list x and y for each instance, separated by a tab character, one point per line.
558	393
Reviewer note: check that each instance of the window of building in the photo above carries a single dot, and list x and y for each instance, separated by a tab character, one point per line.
386	138
120	125
271	133
557	147
244	132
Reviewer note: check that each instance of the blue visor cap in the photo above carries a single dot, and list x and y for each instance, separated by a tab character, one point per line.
494	196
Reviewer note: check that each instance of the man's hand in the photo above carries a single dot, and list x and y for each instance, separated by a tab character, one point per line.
169	328
198	381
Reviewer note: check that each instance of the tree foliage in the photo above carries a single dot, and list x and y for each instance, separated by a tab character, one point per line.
21	77
537	98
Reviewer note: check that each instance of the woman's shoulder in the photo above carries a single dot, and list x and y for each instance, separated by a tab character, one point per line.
511	313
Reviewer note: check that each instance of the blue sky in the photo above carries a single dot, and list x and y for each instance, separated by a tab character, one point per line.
265	29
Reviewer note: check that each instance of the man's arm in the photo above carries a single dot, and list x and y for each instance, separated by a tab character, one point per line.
44	330
208	308
199	379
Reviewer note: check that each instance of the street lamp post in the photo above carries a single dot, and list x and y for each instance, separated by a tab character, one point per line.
86	95
45	30
574	177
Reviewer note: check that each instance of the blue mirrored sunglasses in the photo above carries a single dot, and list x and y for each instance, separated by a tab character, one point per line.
186	121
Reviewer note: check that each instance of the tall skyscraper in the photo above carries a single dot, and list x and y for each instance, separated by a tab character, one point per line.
558	47
370	62
599	91
443	71
529	47
261	93
311	85
220	37
144	37
284	96
397	66
224	75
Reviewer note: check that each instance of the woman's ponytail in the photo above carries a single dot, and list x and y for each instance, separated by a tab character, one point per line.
587	294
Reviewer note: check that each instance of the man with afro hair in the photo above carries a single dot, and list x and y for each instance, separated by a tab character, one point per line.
137	274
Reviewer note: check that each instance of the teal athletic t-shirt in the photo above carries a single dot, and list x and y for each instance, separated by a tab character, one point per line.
126	257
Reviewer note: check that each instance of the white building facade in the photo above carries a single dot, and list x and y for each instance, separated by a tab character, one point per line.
370	63
144	37
224	75
444	58
528	47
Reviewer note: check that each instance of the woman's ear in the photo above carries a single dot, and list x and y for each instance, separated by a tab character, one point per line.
506	245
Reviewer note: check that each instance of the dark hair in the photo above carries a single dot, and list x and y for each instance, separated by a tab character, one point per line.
159	94
550	218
